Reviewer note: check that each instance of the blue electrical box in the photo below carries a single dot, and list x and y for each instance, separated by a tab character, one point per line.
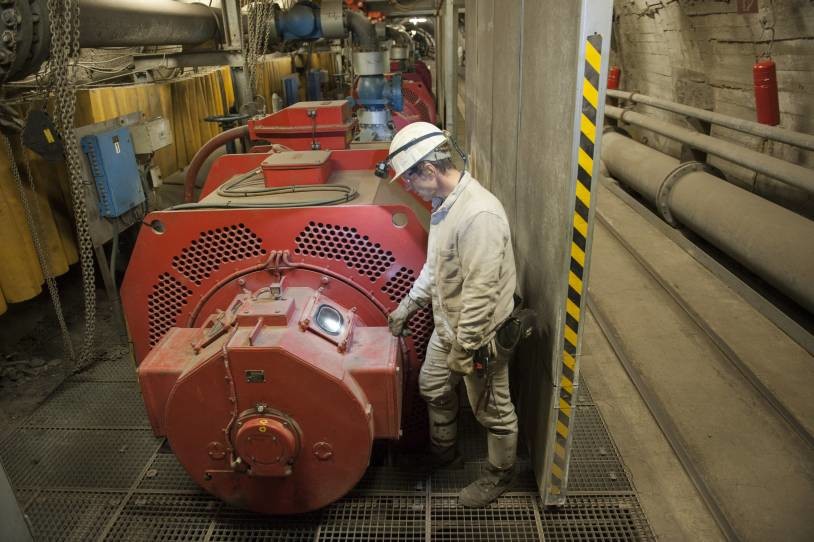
113	166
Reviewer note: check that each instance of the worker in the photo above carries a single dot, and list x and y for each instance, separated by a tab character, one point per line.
469	279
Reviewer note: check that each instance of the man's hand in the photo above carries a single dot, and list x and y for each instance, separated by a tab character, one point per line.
397	320
459	360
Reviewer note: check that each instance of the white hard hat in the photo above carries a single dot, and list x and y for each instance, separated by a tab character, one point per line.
414	143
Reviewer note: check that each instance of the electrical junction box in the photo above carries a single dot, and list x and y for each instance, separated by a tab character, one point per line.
151	135
115	171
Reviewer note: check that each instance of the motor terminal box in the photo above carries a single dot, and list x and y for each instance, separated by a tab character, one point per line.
115	171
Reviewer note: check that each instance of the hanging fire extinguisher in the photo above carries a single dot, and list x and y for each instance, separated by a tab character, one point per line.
614	75
767	105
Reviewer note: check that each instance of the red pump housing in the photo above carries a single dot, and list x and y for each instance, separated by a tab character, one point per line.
261	333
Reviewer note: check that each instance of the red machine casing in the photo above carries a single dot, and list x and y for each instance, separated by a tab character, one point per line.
421	99
300	126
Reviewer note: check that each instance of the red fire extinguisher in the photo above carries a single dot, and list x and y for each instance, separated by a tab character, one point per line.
766	100
614	74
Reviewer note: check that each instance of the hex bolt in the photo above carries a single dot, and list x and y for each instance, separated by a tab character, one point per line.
5	57
7	36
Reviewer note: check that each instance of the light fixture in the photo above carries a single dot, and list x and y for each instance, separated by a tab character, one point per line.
329	320
416	20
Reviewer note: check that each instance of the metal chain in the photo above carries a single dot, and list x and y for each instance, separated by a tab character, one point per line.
260	17
34	220
64	26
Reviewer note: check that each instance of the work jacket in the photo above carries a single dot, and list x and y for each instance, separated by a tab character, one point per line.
469	276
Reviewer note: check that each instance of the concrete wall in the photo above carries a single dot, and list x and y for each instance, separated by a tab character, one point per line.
701	52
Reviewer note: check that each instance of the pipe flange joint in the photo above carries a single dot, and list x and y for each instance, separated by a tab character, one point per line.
667	185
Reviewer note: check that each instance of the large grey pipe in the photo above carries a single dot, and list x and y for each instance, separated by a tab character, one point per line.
131	23
775	133
767	239
770	166
363	31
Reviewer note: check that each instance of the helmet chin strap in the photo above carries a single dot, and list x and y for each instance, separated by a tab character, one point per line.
381	167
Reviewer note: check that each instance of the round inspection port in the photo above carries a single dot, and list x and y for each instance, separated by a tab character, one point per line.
400	220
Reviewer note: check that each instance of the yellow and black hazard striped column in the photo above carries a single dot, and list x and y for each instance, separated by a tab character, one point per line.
579	244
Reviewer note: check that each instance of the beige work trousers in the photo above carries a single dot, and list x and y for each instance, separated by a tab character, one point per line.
492	407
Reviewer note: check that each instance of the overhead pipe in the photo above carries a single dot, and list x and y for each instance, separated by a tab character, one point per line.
103	23
765	238
790	137
132	23
770	166
363	31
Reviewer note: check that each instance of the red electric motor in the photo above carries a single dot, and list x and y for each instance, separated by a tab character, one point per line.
767	105
258	318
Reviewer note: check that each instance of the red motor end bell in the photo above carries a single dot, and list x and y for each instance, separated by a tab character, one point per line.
767	105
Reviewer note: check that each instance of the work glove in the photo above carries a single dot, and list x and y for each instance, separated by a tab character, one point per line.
459	360
397	320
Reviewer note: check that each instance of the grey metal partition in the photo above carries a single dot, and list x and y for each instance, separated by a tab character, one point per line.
535	90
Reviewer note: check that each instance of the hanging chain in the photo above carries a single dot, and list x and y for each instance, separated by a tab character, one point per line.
64	26
34	220
767	25
259	20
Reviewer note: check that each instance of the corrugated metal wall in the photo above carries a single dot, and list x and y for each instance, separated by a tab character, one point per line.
184	101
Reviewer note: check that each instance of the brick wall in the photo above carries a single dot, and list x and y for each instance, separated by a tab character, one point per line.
701	52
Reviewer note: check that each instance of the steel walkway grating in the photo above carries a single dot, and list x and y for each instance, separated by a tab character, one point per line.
121	369
72	515
85	466
80	405
595	519
233	525
164	517
165	473
381	518
510	518
76	458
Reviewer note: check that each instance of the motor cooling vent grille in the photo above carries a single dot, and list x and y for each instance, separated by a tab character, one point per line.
164	305
343	243
216	247
421	325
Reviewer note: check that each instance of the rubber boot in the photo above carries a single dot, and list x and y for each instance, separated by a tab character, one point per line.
498	474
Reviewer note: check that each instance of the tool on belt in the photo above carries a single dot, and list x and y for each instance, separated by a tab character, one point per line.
517	327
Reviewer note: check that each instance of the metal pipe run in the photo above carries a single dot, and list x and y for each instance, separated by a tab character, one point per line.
450	57
770	166
804	141
132	23
766	238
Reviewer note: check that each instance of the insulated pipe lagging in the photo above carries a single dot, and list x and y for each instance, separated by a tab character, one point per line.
769	240
363	31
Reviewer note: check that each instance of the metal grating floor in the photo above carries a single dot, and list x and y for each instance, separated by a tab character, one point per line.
85	466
